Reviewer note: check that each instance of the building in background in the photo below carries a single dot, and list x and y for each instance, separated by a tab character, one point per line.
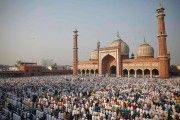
59	67
4	67
114	59
13	68
31	69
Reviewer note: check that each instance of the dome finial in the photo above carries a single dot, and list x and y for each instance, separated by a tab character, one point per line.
118	36
144	40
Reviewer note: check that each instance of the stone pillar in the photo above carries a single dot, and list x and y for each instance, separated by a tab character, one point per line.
135	74
98	47
100	66
128	74
143	74
81	73
163	56
150	73
119	62
75	53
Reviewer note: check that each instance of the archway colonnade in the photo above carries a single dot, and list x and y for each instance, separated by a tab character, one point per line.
136	73
88	72
140	73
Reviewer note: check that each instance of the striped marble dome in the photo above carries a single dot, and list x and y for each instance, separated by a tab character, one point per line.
124	46
145	50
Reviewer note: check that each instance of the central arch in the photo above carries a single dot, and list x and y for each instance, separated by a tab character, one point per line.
113	70
108	65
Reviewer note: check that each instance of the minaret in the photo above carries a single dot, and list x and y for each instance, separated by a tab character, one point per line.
98	47
119	62
163	56
75	53
119	59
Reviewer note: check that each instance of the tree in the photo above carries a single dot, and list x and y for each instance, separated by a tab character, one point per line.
18	62
47	62
54	66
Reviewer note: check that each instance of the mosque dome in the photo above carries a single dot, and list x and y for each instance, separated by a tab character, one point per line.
145	50
124	46
94	55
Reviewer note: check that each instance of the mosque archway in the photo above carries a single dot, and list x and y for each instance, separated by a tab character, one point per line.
147	73
83	72
125	73
96	71
113	70
155	73
92	72
107	62
87	72
139	73
132	73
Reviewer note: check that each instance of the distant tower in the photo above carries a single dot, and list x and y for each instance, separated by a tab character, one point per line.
75	53
119	58
119	61
163	56
98	47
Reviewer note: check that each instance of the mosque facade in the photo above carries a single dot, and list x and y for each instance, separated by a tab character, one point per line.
114	60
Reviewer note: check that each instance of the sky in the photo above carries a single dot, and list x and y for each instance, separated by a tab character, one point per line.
32	30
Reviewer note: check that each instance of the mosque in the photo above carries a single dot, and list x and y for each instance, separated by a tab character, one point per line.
114	60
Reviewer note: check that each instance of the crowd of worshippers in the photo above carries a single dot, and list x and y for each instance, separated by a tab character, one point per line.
89	98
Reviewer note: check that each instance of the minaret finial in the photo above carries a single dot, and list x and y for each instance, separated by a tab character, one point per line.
75	29
160	3
144	39
98	44
118	36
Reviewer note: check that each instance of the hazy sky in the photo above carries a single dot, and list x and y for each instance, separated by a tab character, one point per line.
34	29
